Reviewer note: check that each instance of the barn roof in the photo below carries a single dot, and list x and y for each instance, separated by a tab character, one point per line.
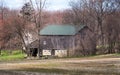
61	29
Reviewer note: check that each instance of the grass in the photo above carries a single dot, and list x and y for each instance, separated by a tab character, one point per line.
7	55
43	70
98	65
81	71
115	55
66	66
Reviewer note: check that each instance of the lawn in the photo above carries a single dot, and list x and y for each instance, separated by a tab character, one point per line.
92	65
7	55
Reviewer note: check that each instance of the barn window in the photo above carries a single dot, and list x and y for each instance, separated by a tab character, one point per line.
44	42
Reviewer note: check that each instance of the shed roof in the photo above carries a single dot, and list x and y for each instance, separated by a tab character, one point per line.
61	29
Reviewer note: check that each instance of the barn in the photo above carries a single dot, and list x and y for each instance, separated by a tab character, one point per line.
57	40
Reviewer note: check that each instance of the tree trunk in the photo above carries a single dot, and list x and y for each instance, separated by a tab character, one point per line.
110	49
24	44
83	49
0	52
94	51
38	47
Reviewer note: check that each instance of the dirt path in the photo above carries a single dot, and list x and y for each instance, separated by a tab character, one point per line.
53	62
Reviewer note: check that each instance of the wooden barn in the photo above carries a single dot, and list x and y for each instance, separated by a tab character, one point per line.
57	40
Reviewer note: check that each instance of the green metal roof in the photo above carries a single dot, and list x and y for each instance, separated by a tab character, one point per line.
60	30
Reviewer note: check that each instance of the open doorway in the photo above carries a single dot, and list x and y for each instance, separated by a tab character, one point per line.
53	52
34	52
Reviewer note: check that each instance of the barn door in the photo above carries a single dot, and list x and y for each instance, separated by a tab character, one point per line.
53	52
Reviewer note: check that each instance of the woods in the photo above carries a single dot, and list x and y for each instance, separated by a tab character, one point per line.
18	28
95	14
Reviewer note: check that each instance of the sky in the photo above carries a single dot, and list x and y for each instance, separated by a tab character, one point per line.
51	5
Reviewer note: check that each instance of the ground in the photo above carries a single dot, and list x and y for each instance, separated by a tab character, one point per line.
96	65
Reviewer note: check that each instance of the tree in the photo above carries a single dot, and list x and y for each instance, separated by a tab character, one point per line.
38	20
112	32
93	13
81	14
3	12
12	28
16	28
26	14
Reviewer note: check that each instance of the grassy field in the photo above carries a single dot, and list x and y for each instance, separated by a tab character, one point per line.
93	65
7	55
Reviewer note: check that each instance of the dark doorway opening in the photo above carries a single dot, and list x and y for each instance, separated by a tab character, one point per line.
53	52
34	52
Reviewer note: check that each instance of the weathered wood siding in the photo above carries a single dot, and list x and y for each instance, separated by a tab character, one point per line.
58	42
46	52
62	42
81	43
61	53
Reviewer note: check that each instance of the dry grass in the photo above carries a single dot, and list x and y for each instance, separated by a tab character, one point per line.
67	66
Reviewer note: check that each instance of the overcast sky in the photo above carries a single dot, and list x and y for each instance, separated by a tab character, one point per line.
51	4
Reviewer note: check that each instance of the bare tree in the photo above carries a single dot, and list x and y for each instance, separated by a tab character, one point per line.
2	18
112	32
14	27
93	13
38	20
81	14
26	14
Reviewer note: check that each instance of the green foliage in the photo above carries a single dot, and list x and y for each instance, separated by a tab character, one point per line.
7	55
4	53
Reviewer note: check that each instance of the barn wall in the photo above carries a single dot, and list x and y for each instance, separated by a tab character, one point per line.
84	42
57	42
79	44
61	53
46	52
